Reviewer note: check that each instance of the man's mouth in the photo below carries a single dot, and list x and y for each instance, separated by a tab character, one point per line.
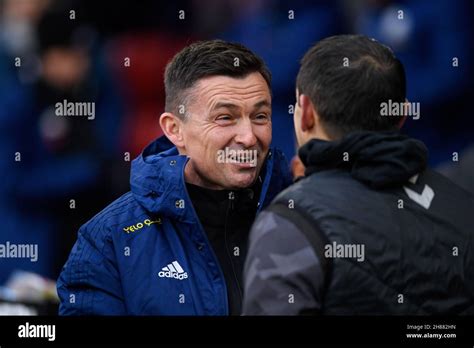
246	165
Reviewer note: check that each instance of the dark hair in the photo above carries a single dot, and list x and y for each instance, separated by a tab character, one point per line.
208	58
347	96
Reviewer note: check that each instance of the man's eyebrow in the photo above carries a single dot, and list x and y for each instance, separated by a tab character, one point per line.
226	105
262	103
229	105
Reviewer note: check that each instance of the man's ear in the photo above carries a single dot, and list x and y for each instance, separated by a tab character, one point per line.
402	122
308	114
172	127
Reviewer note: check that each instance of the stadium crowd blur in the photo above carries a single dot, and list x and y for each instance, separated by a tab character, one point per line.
57	172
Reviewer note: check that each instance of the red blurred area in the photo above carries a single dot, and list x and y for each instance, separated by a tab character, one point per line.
139	61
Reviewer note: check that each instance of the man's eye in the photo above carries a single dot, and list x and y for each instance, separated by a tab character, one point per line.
224	118
262	117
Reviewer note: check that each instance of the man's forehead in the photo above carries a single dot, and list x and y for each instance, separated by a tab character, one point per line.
227	90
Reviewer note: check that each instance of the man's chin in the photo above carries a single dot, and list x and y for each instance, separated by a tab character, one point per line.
242	180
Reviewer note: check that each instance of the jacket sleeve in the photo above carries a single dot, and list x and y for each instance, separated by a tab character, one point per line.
89	283
283	274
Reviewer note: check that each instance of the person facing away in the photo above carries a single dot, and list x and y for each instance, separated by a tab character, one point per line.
370	229
176	244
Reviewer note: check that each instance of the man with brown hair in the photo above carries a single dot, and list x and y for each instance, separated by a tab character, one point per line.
175	244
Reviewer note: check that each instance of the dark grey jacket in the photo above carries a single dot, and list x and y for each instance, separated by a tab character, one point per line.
370	230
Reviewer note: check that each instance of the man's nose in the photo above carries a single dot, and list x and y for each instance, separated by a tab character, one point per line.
245	134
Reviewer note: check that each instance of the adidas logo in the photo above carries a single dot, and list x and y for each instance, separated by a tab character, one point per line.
173	270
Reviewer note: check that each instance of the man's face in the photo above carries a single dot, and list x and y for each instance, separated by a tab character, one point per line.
226	115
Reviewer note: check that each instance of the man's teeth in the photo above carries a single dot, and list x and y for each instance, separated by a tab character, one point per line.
240	160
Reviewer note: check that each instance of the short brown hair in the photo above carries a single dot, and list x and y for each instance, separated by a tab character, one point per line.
208	58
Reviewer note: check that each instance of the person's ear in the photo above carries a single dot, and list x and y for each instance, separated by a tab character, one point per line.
172	127
402	122
308	115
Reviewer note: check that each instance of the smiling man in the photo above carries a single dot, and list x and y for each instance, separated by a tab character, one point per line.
176	244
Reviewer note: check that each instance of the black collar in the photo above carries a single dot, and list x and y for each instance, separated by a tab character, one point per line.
379	159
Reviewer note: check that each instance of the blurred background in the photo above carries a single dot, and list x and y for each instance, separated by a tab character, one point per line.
57	172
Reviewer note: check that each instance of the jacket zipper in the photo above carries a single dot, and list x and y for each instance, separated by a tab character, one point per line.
230	208
208	244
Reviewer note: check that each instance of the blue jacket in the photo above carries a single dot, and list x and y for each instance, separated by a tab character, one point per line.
147	253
